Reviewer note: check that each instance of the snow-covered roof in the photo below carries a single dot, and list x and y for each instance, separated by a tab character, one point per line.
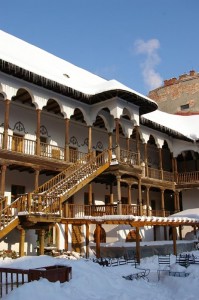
185	125
47	65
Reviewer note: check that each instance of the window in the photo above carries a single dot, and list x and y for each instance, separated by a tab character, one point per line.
16	191
184	106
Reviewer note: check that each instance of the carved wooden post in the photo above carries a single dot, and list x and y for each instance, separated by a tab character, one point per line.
3	178
137	244
138	144
162	203
119	203
6	123
87	240
41	241
89	139
147	201
66	237
66	140
98	229
22	241
38	131
140	196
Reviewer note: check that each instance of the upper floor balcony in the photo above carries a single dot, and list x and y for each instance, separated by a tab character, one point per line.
21	145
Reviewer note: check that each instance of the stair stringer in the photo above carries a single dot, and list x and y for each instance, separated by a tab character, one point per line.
9	227
84	182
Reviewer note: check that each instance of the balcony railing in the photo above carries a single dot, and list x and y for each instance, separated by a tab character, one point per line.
26	146
128	157
188	177
80	211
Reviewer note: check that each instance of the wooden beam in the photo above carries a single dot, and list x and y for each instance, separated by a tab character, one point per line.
21	243
98	229
137	244
174	234
87	240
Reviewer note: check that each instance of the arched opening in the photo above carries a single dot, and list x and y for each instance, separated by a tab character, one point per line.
23	96
53	107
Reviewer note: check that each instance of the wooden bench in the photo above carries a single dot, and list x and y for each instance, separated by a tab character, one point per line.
139	273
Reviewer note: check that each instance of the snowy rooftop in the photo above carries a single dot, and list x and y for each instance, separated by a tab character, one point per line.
43	63
186	125
47	65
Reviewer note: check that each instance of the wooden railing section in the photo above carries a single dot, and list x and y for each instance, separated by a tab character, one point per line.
80	211
28	147
128	157
188	177
48	198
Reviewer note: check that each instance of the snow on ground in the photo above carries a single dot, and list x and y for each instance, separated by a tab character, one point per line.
91	281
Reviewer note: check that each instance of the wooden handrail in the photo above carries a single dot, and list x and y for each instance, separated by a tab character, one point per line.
188	177
79	211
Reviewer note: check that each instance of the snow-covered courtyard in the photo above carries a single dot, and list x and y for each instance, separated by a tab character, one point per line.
91	281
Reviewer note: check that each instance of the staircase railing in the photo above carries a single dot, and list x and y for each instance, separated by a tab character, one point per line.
7	214
73	175
61	176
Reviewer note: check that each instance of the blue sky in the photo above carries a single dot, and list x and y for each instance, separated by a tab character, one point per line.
137	42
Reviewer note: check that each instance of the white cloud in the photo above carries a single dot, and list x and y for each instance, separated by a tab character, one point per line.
149	48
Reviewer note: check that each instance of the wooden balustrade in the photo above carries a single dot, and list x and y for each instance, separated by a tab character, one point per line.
80	211
188	177
128	157
154	173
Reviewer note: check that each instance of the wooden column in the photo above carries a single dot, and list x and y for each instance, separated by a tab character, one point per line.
36	178
119	203
140	196
175	169
138	144
174	240
6	123
162	203
22	242
87	240
41	241
127	144
117	138
160	162
117	133
3	179
147	201
129	194
137	244
66	237
89	139
177	201
146	159
67	139
180	232
98	229
38	131
111	194
110	145
90	192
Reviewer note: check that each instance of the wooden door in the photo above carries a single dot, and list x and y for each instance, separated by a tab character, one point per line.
77	238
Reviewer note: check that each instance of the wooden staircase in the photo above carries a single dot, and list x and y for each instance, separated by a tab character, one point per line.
47	200
8	219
